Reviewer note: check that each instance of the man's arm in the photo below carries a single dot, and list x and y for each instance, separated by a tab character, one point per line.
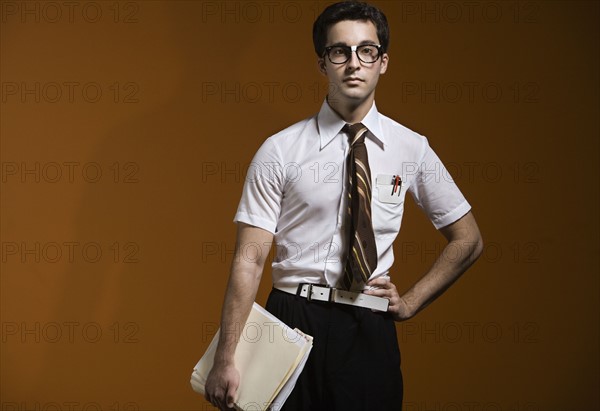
252	247
463	248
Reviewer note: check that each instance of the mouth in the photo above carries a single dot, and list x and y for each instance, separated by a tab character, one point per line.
353	80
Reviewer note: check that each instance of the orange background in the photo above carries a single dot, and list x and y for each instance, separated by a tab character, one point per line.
112	283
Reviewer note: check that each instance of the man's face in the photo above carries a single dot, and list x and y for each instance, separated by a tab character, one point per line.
354	81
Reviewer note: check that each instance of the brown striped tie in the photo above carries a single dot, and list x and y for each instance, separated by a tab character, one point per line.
362	253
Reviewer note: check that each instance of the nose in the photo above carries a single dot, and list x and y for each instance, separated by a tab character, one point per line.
353	63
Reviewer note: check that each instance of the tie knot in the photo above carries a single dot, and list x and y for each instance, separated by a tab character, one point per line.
356	132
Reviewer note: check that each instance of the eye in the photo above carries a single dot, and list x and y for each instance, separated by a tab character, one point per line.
368	50
338	51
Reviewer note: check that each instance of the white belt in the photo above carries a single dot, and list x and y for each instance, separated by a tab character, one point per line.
315	292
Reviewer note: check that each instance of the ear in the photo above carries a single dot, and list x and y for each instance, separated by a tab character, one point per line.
384	63
322	66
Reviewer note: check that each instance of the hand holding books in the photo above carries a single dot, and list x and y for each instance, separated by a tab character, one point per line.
269	358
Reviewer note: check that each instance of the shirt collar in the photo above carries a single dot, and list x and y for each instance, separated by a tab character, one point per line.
330	124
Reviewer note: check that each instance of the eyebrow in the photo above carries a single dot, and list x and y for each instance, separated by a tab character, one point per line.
362	43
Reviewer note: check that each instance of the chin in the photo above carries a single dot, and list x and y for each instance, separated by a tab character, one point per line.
357	96
353	95
351	92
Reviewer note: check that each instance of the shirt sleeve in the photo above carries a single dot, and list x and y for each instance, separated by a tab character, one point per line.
260	204
435	192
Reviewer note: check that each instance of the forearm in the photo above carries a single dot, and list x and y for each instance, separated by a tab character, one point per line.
462	250
241	293
244	279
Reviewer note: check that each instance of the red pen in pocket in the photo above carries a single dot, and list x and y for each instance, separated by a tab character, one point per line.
397	184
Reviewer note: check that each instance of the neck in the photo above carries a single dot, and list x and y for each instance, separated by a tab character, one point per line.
351	112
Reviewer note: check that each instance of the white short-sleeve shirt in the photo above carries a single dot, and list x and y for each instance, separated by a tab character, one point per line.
296	188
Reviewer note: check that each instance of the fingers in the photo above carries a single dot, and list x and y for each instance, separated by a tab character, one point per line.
381	282
381	292
215	398
230	397
214	401
384	288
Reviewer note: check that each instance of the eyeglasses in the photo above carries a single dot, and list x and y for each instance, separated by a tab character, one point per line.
367	53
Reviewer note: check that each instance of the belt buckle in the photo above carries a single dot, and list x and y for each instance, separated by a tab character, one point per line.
331	292
301	286
309	291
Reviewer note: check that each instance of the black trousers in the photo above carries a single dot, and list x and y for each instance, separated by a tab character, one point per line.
355	361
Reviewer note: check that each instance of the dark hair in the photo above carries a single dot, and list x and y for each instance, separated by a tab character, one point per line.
349	10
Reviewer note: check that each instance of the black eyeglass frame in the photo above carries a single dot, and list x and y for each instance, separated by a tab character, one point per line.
352	49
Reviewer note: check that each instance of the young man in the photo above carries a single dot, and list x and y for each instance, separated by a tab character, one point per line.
331	197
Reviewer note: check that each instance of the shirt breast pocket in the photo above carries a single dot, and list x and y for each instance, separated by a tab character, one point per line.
387	205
